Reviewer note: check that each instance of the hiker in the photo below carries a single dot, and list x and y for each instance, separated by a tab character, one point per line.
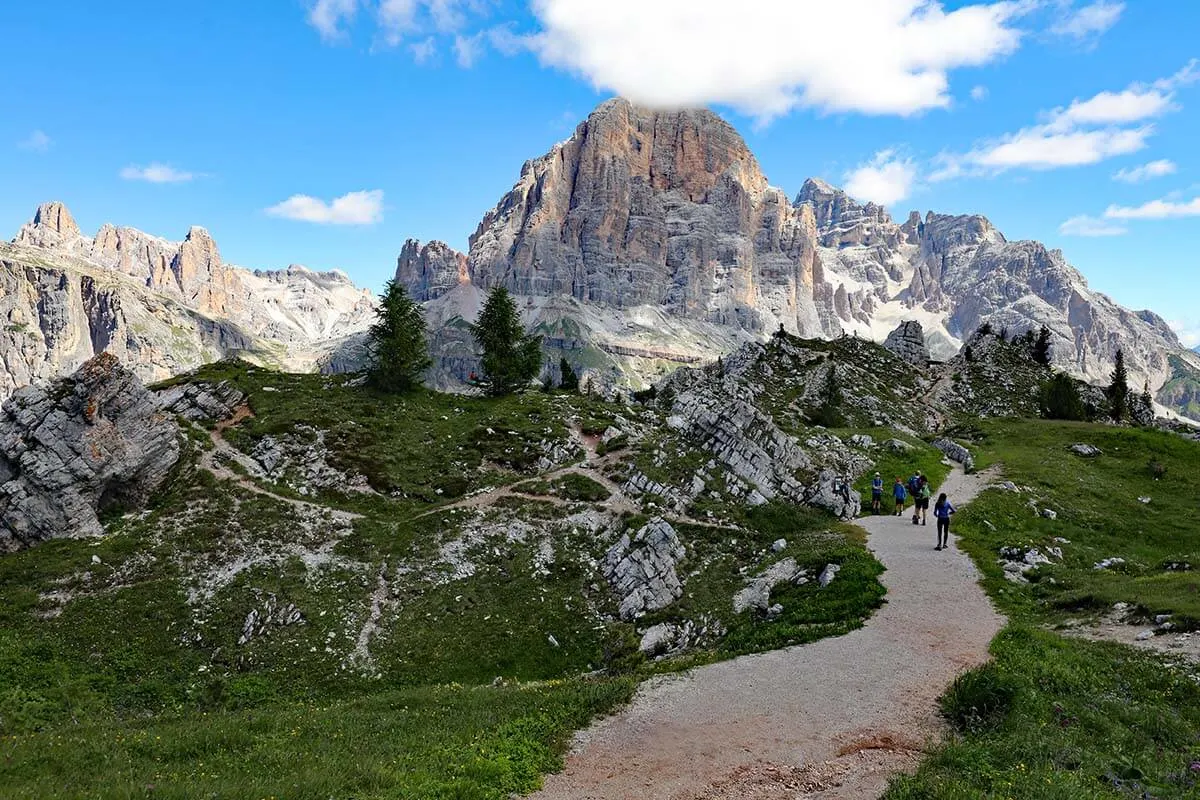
900	493
924	492
914	490
876	494
941	513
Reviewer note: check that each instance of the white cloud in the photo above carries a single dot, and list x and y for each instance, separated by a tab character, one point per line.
396	20
157	173
979	93
1084	132
1044	148
1115	108
1156	209
885	179
869	56
1154	169
1083	225
36	142
355	208
327	17
424	50
1090	20
468	49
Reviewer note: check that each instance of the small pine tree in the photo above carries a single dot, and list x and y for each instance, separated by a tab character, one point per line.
396	342
1041	348
829	412
968	354
569	382
984	330
1118	390
1060	399
511	357
1004	334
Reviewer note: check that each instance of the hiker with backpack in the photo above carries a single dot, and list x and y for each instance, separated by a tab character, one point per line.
914	490
876	494
941	514
924	492
900	493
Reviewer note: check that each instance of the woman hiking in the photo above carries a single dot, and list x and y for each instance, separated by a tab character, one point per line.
941	513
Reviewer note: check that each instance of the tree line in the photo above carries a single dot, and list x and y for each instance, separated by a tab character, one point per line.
510	357
1060	395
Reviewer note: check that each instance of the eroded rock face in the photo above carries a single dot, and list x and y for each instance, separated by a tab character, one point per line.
429	272
84	444
161	307
641	569
908	342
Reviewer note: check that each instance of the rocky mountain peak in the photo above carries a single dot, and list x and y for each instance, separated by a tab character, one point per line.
429	271
843	221
56	217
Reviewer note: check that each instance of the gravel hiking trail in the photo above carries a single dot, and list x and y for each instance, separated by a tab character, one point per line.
835	718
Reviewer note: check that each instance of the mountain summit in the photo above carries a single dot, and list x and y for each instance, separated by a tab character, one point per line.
162	307
652	238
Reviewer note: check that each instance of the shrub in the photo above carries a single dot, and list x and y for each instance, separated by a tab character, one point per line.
979	699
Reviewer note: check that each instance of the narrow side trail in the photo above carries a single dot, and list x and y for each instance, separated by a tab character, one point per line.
832	719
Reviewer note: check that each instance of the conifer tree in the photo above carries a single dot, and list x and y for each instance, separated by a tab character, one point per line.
1061	400
1118	390
1041	348
511	357
569	382
829	412
396	342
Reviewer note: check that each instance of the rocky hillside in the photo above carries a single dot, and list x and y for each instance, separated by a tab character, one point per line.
162	307
652	239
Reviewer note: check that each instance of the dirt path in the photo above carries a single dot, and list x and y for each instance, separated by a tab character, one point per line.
592	467
208	461
832	719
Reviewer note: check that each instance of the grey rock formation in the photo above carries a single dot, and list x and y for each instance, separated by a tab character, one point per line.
1086	450
82	445
641	569
908	342
651	239
201	402
956	452
756	594
161	307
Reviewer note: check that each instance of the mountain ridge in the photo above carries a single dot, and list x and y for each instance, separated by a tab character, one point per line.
656	233
162	306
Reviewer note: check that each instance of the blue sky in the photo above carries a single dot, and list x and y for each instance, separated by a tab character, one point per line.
1069	121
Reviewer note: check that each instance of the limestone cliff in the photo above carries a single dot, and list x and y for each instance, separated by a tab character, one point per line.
651	239
162	307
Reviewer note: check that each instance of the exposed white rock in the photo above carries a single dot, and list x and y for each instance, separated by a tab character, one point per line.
641	569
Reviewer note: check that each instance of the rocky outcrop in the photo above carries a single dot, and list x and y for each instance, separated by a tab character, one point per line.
641	569
908	342
161	307
429	272
93	442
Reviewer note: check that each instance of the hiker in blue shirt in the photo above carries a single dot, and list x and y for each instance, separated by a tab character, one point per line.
876	494
941	512
900	493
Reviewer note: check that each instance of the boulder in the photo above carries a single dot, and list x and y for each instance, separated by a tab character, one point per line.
641	569
908	342
956	452
1086	450
91	442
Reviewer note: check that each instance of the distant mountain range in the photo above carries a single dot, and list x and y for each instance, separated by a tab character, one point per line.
651	239
647	240
162	307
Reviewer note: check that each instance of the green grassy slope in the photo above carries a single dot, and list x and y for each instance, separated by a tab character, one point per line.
1060	717
490	632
